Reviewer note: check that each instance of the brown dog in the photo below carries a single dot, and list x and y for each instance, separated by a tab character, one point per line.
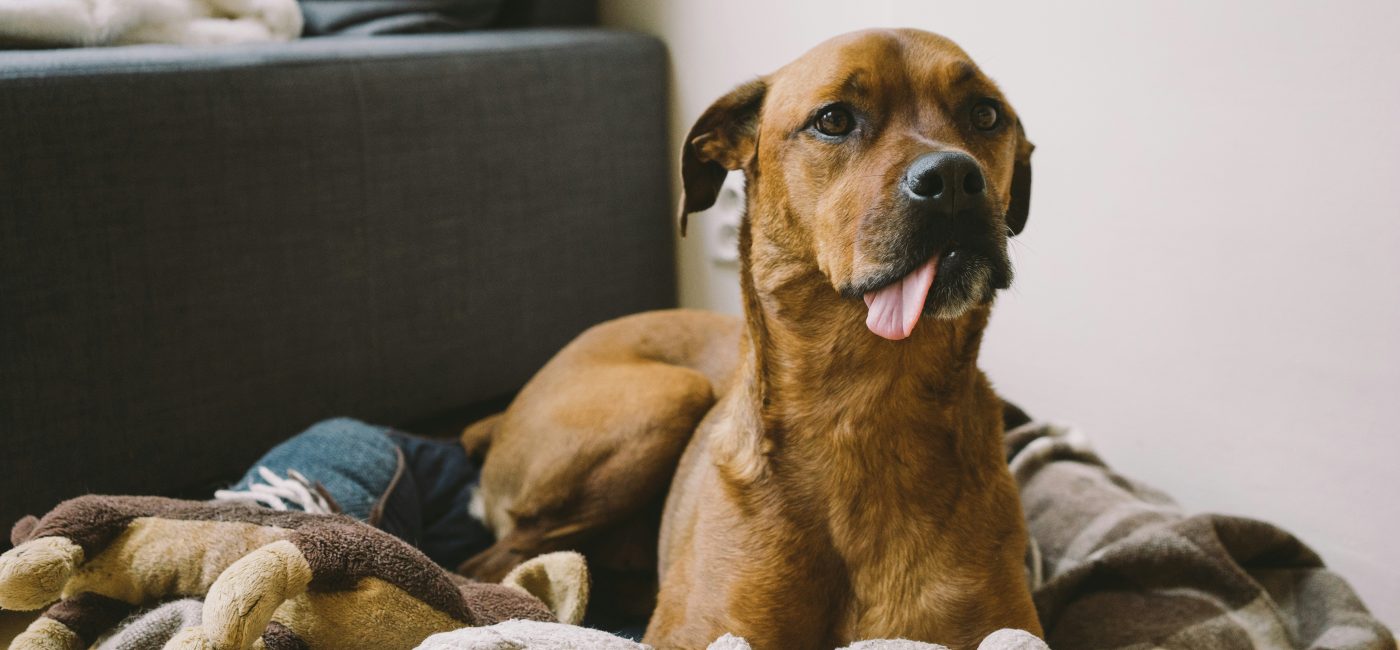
842	474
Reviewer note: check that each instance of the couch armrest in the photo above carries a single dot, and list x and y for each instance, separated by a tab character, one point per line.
203	251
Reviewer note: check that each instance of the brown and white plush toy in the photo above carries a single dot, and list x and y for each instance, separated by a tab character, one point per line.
269	579
85	23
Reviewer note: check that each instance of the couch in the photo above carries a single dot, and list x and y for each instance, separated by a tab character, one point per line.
203	251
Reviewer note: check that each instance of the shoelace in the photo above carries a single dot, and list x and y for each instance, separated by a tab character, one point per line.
296	488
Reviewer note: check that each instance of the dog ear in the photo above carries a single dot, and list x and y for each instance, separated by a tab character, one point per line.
724	139
1020	207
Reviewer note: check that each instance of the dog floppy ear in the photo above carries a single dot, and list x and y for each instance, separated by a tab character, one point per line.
1020	207
724	139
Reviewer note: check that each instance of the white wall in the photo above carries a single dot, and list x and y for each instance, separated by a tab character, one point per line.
1208	282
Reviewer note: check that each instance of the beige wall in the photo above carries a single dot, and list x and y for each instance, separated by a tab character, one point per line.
1209	284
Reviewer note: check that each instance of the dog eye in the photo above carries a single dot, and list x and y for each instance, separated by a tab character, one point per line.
986	115
834	121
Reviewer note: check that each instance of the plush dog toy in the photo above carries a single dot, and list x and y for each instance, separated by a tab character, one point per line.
269	579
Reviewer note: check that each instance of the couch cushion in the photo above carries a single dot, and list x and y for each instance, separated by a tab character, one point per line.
204	251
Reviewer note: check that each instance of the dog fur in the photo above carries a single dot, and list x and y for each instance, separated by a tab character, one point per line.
826	485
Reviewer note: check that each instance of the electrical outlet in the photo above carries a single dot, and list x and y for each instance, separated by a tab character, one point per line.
723	221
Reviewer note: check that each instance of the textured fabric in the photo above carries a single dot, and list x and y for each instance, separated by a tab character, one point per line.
890	644
560	580
152	628
88	23
417	489
201	250
1122	566
356	463
331	581
366	17
89	614
515	635
521	13
429	507
1005	639
729	642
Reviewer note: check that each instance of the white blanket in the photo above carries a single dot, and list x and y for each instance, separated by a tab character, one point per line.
533	635
80	23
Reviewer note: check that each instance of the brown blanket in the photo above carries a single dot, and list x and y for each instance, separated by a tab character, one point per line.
1117	564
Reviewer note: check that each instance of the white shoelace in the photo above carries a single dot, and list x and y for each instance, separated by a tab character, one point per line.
295	488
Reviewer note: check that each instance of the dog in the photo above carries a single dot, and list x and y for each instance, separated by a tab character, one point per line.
831	464
86	23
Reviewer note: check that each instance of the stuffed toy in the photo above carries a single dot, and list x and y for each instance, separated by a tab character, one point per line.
269	579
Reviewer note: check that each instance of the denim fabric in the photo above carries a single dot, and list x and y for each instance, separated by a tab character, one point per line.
434	494
354	461
357	464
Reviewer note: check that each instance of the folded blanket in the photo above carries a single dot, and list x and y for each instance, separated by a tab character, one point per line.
1120	565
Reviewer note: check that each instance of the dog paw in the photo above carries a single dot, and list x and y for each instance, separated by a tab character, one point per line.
33	574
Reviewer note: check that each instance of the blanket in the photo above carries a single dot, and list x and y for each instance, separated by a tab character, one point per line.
1114	564
1117	564
535	635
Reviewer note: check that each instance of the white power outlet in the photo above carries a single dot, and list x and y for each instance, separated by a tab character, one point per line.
722	236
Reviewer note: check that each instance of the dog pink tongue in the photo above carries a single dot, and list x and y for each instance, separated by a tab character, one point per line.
895	309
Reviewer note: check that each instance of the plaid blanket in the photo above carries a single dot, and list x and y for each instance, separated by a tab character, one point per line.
1116	564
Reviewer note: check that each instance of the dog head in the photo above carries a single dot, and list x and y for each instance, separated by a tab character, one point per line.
886	160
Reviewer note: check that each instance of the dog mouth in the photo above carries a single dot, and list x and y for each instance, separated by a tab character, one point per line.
896	307
916	268
944	285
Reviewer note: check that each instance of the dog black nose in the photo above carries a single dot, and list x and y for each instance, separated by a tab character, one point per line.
944	180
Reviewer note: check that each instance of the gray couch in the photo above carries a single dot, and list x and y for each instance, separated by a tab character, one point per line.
203	251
